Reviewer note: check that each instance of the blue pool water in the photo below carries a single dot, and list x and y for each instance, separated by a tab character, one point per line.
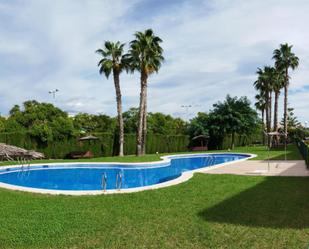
89	176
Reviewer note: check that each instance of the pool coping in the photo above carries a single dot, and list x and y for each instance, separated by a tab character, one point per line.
185	176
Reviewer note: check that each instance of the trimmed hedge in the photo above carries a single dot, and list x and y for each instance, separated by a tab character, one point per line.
106	145
242	140
304	151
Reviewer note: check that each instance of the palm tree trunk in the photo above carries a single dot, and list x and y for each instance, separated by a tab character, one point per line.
276	116
139	137
119	111
268	116
144	135
270	109
276	111
286	101
263	124
267	112
233	141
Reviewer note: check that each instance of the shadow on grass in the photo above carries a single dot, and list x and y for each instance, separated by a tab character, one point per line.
291	154
277	202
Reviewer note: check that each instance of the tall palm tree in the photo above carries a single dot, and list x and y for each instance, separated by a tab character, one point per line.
260	85
269	76
113	61
284	60
145	56
260	105
277	85
264	85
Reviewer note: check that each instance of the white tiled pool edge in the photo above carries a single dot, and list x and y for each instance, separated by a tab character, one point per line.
166	159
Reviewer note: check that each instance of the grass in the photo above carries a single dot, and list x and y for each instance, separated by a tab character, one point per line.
275	153
208	211
260	151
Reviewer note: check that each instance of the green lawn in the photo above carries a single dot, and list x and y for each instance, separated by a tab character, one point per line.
275	154
208	211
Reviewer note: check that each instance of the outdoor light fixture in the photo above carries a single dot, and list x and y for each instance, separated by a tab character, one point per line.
53	92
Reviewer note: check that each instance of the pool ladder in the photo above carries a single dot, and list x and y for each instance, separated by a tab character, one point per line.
25	167
119	180
210	161
104	181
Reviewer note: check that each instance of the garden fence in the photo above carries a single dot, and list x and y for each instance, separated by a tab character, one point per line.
304	150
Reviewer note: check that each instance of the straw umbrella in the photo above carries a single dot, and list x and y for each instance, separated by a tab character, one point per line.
10	152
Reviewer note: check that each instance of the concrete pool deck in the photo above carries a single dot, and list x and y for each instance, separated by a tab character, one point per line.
259	167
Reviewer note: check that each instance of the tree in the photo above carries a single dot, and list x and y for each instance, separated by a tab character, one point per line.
292	120
277	85
260	105
264	84
87	123
130	118
34	111
145	56
232	116
43	121
159	123
2	124
62	128
199	125
114	61
83	123
284	60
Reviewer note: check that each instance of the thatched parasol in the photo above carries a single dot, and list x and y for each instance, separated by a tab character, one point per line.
13	152
88	138
202	138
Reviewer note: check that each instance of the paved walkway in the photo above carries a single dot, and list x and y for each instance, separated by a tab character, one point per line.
255	167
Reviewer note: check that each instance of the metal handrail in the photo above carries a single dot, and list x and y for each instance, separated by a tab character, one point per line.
119	180
104	181
25	167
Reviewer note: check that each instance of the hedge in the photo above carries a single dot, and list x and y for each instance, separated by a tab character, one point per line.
304	151
242	140
106	145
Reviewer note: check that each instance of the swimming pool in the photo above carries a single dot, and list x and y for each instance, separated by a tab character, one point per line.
94	178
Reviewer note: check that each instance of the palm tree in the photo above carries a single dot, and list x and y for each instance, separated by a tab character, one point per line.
114	61
145	56
284	60
260	105
278	84
263	85
269	76
260	85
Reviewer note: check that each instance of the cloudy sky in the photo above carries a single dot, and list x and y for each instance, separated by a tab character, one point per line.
212	48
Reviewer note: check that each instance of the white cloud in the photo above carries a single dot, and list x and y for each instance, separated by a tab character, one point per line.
212	48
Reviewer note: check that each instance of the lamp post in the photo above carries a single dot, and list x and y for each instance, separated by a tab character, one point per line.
53	92
187	107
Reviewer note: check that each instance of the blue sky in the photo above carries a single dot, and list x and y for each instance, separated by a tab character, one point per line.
212	48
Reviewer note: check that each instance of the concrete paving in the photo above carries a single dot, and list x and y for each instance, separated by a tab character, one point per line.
255	167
